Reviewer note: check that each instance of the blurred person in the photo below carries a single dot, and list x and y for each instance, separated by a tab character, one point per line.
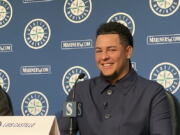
5	104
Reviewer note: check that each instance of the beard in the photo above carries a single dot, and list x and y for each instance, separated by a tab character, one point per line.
110	77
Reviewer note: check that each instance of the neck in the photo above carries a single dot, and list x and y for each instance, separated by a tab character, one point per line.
117	76
123	74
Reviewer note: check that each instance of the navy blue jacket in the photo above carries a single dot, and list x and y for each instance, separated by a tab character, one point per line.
132	106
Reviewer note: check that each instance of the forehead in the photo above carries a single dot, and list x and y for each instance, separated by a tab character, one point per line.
107	40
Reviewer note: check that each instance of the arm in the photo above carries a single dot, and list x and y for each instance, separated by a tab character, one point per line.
160	119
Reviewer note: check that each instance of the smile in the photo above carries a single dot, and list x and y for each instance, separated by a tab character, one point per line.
107	65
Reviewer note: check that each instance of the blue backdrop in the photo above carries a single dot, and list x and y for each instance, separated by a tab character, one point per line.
45	44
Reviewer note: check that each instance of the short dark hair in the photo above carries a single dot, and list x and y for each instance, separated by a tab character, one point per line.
116	28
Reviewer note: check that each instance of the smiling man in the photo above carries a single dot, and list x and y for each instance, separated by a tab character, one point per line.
112	57
119	101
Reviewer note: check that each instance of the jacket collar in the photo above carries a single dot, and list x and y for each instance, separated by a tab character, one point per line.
124	83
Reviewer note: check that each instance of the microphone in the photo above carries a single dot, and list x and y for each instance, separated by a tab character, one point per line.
81	76
72	108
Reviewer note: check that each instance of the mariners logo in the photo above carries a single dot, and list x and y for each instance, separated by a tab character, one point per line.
167	75
5	13
37	33
35	104
77	11
124	19
4	80
164	7
70	77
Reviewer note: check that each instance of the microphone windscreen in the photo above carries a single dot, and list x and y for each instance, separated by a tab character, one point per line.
81	76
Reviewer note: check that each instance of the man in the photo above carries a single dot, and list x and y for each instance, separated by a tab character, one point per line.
118	102
5	104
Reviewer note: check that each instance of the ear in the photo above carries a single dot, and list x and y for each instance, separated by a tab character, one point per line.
129	51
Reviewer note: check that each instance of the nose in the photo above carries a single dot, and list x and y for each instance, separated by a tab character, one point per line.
105	55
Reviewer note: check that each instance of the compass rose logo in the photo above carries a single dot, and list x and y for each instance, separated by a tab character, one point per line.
37	33
4	80
164	8
167	75
70	77
5	13
77	11
125	19
35	104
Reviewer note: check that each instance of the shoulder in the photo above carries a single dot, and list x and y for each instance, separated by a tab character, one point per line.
149	86
5	104
86	85
147	83
88	82
2	94
150	92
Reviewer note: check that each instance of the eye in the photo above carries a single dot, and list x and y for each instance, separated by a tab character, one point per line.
112	49
98	50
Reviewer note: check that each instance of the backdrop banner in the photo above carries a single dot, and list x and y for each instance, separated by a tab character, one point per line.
46	44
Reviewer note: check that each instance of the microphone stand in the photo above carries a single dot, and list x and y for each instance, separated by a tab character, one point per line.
71	118
73	98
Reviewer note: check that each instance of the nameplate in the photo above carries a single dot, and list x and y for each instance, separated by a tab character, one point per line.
28	125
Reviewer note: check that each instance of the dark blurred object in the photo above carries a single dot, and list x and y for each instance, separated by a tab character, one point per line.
175	113
5	104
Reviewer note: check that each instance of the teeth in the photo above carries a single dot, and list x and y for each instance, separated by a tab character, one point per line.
106	65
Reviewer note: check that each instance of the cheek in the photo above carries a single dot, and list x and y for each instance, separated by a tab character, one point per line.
96	59
119	59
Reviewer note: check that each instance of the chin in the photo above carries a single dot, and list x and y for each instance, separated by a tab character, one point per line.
109	76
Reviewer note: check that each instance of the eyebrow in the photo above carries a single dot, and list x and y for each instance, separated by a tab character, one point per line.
112	46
